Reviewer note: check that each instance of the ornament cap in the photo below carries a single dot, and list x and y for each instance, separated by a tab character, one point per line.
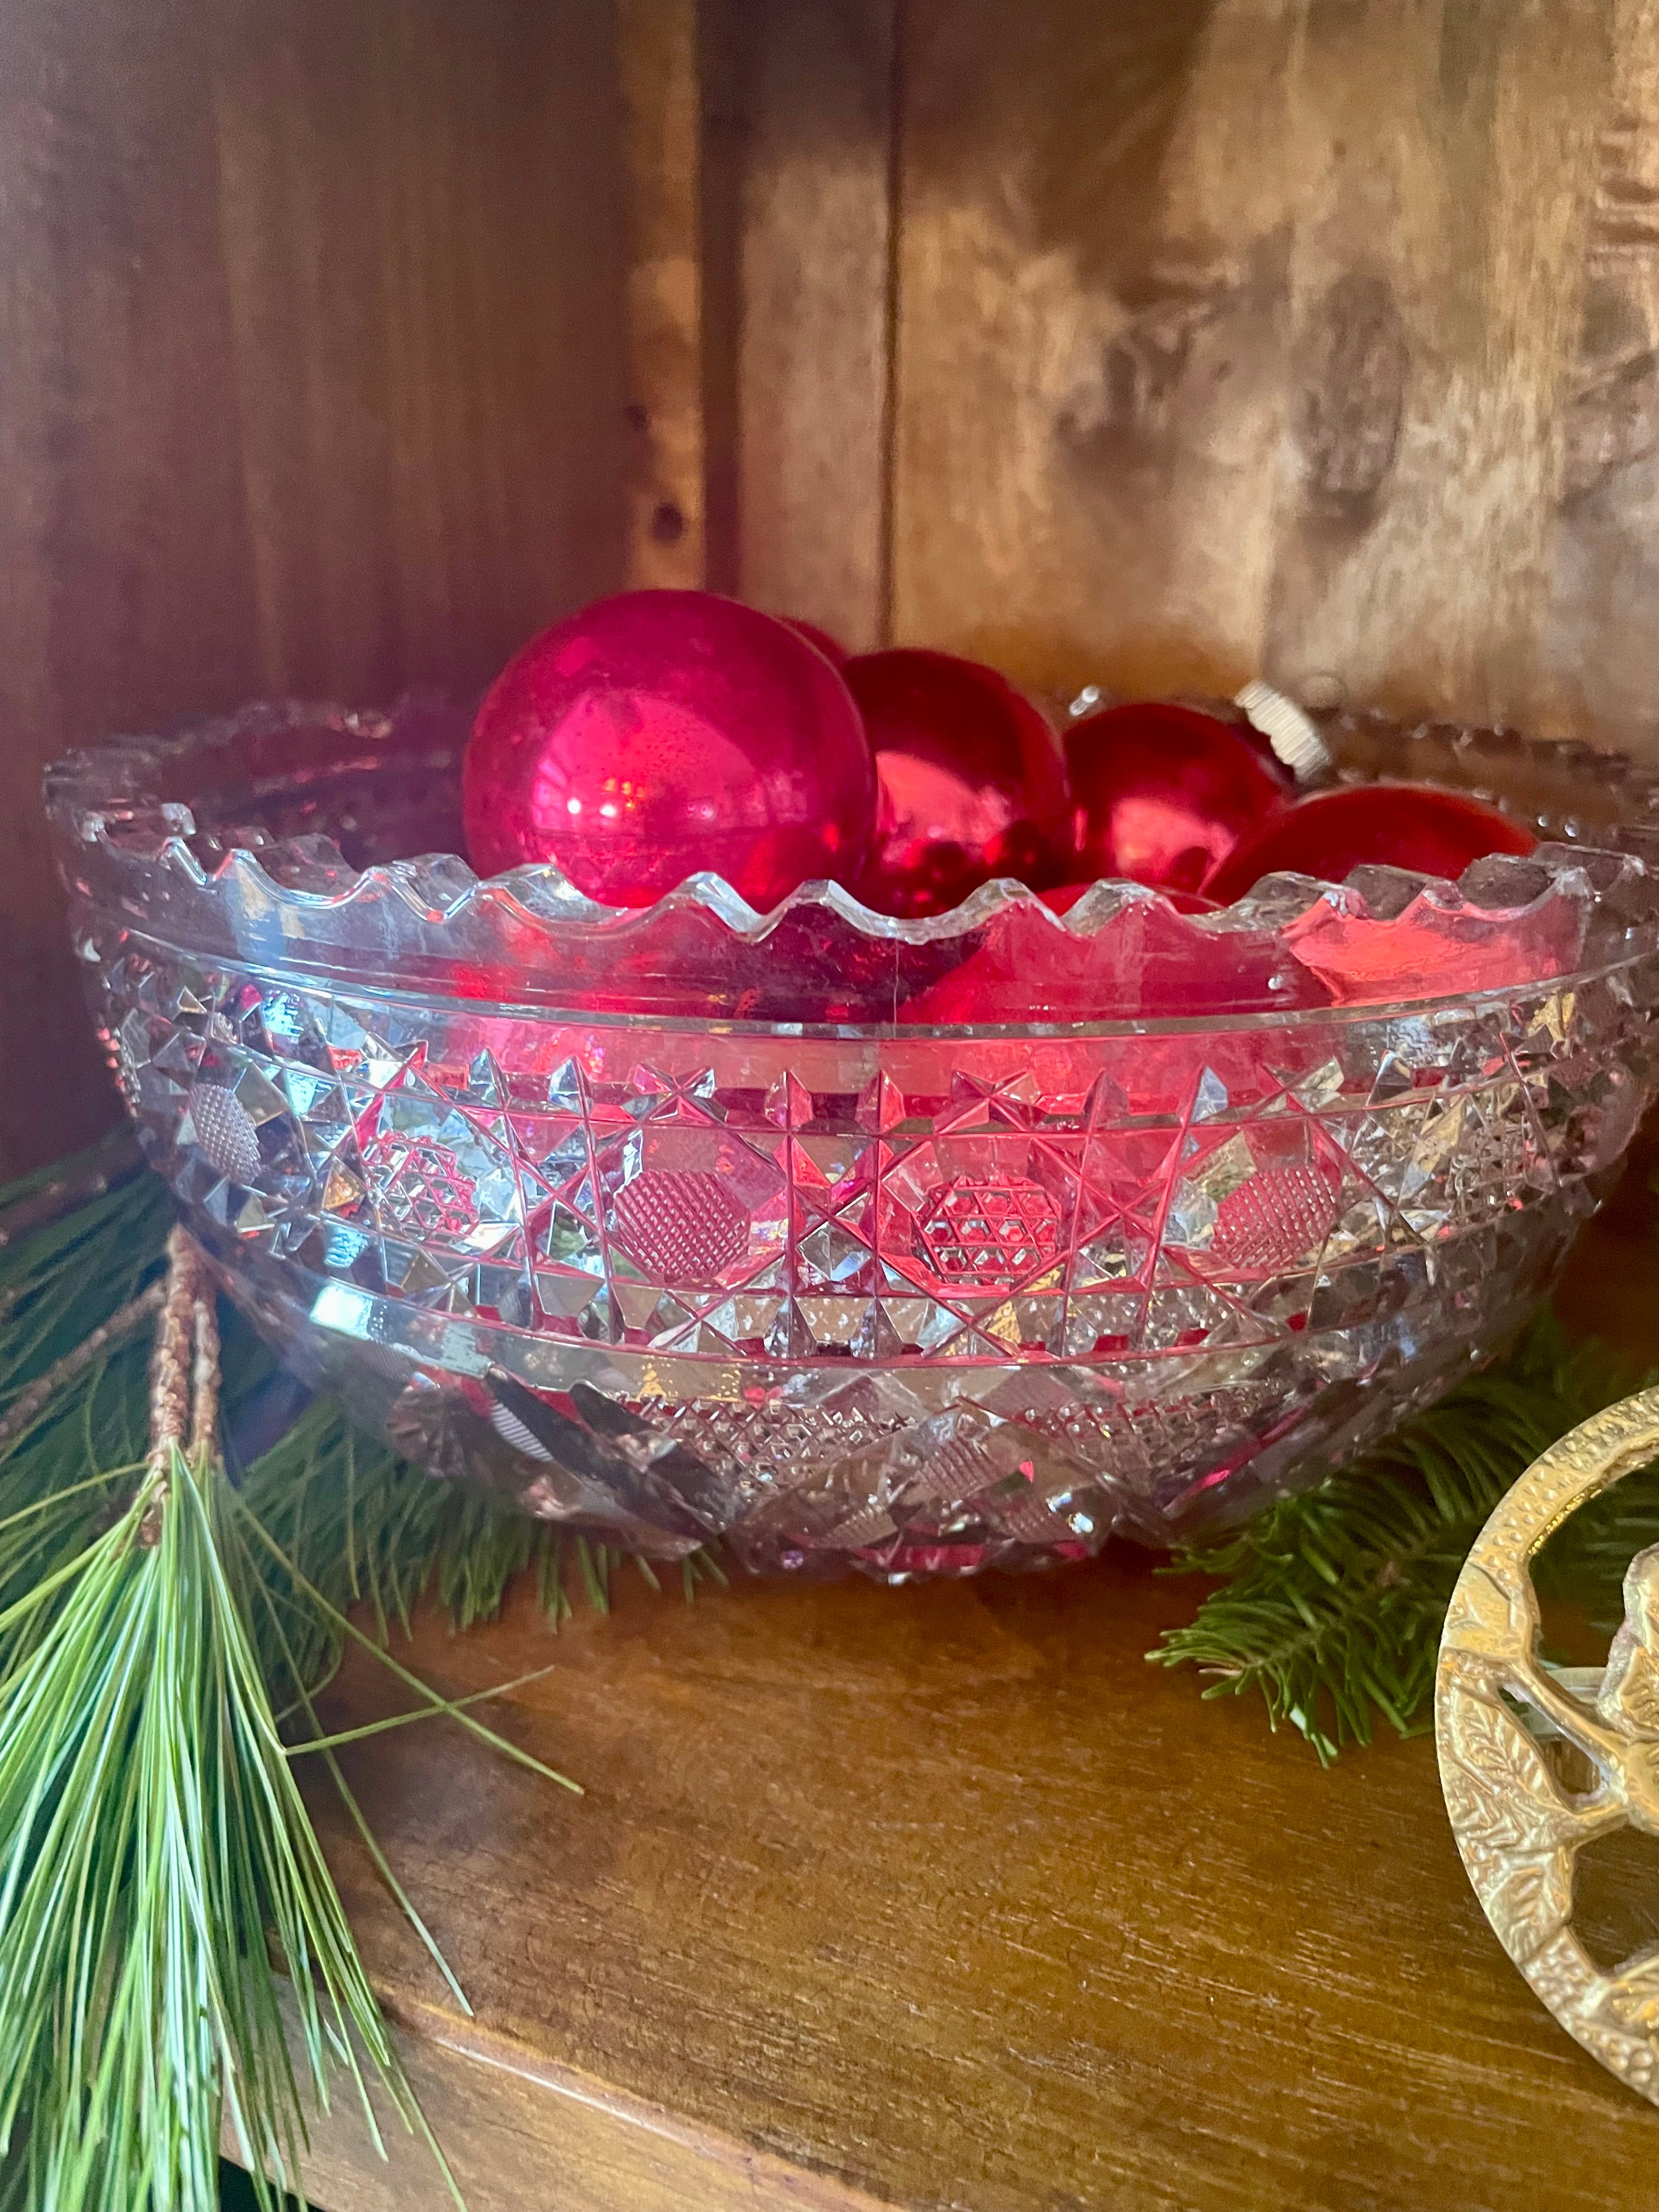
1292	734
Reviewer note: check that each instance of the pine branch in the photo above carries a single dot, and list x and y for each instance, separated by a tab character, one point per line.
59	1284
1332	1601
151	1834
153	1848
369	1529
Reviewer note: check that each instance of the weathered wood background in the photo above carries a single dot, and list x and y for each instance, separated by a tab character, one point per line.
312	345
342	344
1172	344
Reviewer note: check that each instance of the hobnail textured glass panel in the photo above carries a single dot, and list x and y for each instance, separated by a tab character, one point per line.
897	1295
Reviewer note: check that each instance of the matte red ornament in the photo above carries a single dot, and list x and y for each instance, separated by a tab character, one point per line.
972	782
1162	793
658	733
1399	825
830	647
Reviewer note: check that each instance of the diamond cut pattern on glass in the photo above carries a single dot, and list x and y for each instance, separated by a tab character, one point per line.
1274	1219
977	1230
421	1188
888	1311
682	1225
690	1203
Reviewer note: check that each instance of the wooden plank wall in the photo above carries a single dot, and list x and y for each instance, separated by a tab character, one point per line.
341	344
1167	345
311	379
813	83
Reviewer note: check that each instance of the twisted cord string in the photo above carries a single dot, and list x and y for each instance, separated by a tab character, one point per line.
204	1366
184	1374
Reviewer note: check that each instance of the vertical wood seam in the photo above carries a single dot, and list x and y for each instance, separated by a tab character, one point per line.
888	490
718	189
660	60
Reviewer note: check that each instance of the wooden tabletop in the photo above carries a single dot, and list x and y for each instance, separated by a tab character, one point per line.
943	1897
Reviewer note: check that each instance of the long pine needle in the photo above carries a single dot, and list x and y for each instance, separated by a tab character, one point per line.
155	1851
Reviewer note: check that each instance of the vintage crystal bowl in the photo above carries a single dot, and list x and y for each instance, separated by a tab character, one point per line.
912	1248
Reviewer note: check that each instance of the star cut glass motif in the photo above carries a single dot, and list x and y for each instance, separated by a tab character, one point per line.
910	1304
420	1187
992	1232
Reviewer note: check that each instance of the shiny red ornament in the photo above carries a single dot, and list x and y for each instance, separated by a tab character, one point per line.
1399	825
831	647
1232	718
658	733
972	782
1162	793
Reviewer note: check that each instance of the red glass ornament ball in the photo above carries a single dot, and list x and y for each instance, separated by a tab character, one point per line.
830	647
971	781
658	733
1162	793
1400	825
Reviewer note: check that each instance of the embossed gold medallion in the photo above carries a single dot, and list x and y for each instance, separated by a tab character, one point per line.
1518	1828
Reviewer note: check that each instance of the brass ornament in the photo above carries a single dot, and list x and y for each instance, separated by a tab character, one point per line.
1518	1828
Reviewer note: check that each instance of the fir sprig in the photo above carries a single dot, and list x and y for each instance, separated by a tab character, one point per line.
371	1530
365	1526
59	1282
152	1835
155	1852
1332	1601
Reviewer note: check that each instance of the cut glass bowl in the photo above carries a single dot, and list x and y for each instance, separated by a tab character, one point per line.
911	1247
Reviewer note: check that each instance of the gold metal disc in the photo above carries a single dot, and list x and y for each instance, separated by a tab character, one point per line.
1519	1828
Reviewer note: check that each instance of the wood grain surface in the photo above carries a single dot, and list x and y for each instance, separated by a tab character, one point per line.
661	180
943	1897
312	378
813	83
1313	338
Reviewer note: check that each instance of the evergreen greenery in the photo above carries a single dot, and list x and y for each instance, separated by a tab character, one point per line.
1330	1603
163	1635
